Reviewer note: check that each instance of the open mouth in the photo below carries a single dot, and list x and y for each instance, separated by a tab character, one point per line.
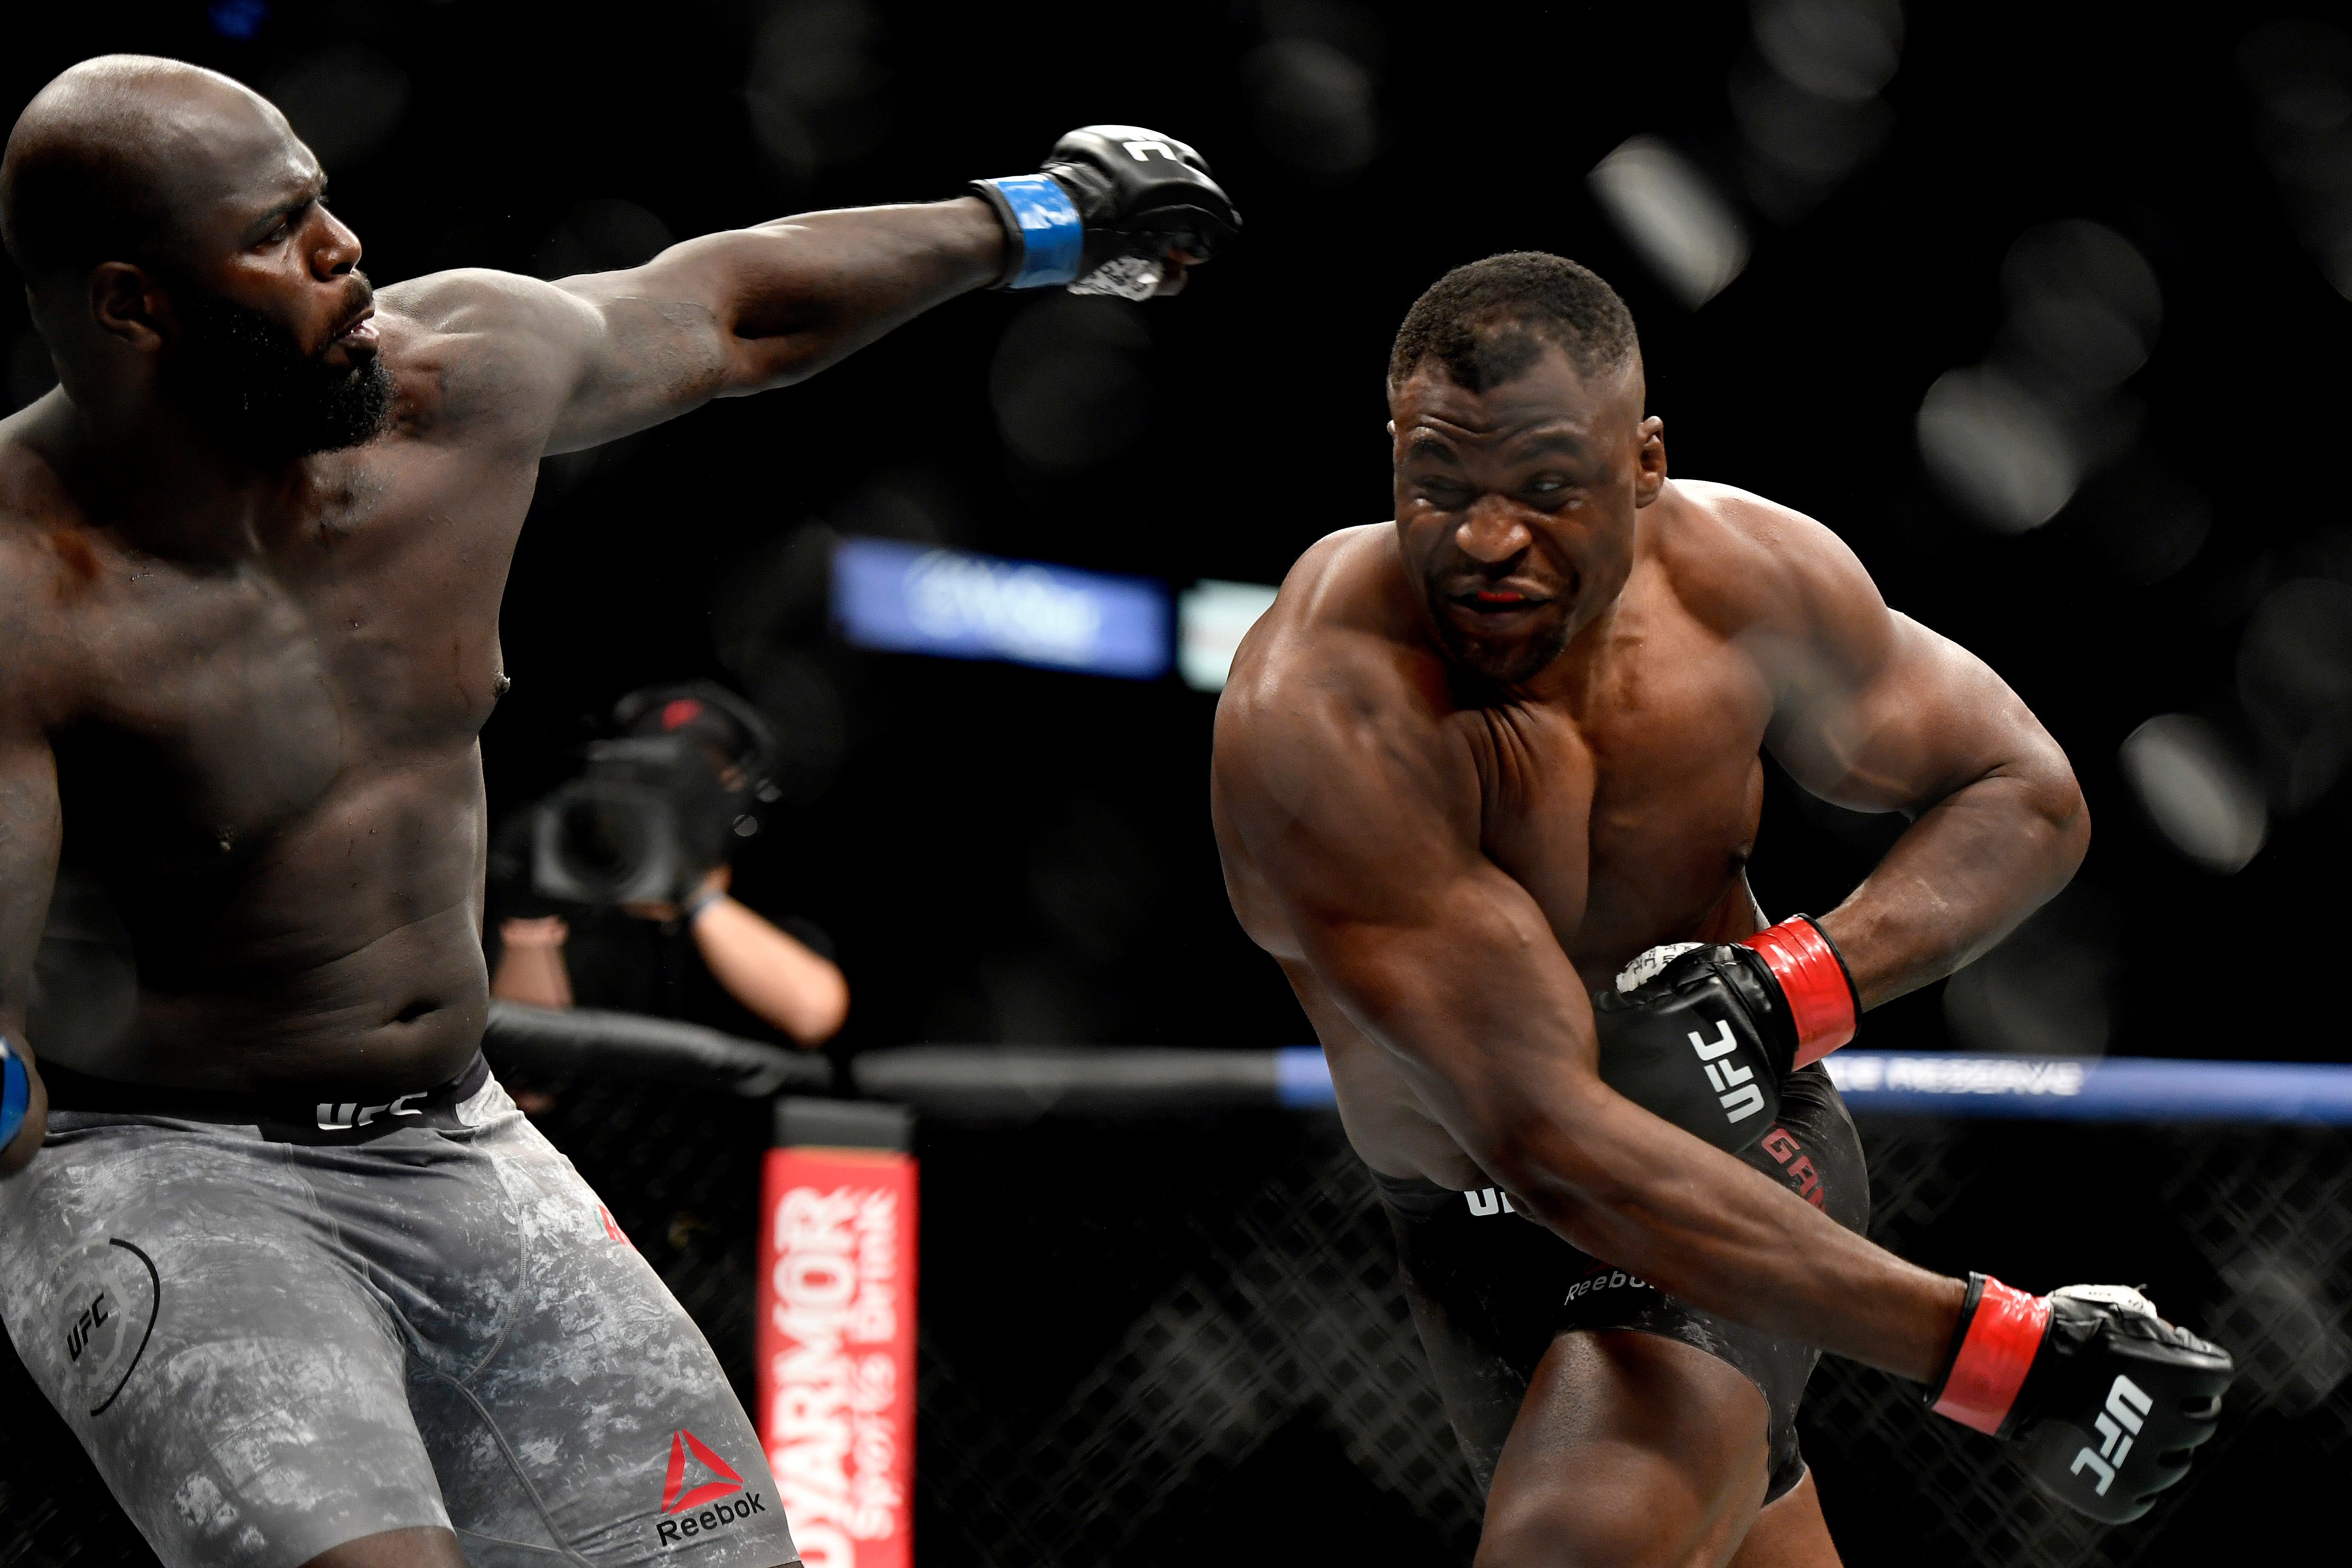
360	330
1497	600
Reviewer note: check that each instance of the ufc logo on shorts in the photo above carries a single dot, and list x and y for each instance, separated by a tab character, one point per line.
1739	1099
2118	1425
350	1113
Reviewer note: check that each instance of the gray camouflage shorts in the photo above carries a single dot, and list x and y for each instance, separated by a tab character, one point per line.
272	1344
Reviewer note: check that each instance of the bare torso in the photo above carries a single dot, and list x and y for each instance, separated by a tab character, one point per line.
267	755
1626	807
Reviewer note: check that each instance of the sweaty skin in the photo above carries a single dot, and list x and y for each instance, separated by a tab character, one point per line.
1473	762
245	695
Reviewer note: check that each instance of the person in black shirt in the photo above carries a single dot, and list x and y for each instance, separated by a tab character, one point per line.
704	957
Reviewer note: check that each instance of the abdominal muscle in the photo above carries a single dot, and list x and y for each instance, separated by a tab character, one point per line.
346	955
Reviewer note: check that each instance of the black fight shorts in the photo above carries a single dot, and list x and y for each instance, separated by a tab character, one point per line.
1492	1289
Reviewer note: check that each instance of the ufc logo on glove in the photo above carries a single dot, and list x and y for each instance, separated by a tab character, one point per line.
1742	1101
2119	1424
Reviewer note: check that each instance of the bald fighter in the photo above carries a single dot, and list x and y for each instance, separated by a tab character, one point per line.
290	1263
1486	780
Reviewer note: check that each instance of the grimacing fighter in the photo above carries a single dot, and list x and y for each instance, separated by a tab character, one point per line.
290	1263
1486	779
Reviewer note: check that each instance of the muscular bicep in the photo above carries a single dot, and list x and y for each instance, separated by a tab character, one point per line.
592	358
1360	826
760	307
561	366
30	835
1873	711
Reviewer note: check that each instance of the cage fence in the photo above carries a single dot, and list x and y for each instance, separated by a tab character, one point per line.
1148	1339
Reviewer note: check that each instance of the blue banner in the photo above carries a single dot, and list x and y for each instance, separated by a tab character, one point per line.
2058	1088
909	598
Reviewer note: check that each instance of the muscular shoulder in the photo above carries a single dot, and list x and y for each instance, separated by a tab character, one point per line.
1759	573
47	558
1338	631
1332	687
475	347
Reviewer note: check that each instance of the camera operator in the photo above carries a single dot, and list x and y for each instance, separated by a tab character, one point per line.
615	890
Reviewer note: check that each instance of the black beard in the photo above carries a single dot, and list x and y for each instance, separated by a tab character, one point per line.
246	379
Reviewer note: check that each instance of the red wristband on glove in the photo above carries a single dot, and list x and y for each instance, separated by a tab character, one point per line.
1997	1343
1820	995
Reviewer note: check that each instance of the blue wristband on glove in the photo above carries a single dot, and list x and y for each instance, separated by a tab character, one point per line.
15	1093
1045	221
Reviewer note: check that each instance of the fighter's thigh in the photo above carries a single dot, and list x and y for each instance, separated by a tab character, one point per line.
602	1427
234	1380
1631	1451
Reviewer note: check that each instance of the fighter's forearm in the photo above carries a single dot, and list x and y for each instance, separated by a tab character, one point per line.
1501	1052
800	293
1966	872
1702	1227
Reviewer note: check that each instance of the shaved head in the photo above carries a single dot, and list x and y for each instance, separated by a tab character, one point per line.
107	162
175	241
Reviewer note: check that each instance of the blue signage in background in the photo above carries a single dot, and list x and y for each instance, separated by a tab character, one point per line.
912	598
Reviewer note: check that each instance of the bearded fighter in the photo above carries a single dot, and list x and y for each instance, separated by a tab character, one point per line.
290	1263
1485	784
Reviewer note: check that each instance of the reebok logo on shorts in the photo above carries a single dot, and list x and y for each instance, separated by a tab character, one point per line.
1605	1280
684	1496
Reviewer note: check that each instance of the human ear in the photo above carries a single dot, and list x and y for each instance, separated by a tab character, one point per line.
1649	461
127	304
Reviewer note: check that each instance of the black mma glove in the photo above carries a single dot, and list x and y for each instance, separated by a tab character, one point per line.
1703	1034
2107	1401
1113	202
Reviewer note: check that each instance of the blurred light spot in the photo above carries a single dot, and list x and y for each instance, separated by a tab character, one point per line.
604	236
31	373
1212	618
1670	214
2084	304
2196	791
345	103
1313	107
1815	140
2299	1351
1996	449
2299	72
2045	990
2294	675
2148	522
817	89
238	19
1837	48
1067	382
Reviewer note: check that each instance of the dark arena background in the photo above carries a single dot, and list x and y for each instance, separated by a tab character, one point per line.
2041	308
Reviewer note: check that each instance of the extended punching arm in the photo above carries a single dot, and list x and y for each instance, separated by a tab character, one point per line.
1117	209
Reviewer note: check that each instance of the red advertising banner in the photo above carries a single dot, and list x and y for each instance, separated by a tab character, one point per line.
836	1351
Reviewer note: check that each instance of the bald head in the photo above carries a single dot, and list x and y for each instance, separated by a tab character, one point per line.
120	155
